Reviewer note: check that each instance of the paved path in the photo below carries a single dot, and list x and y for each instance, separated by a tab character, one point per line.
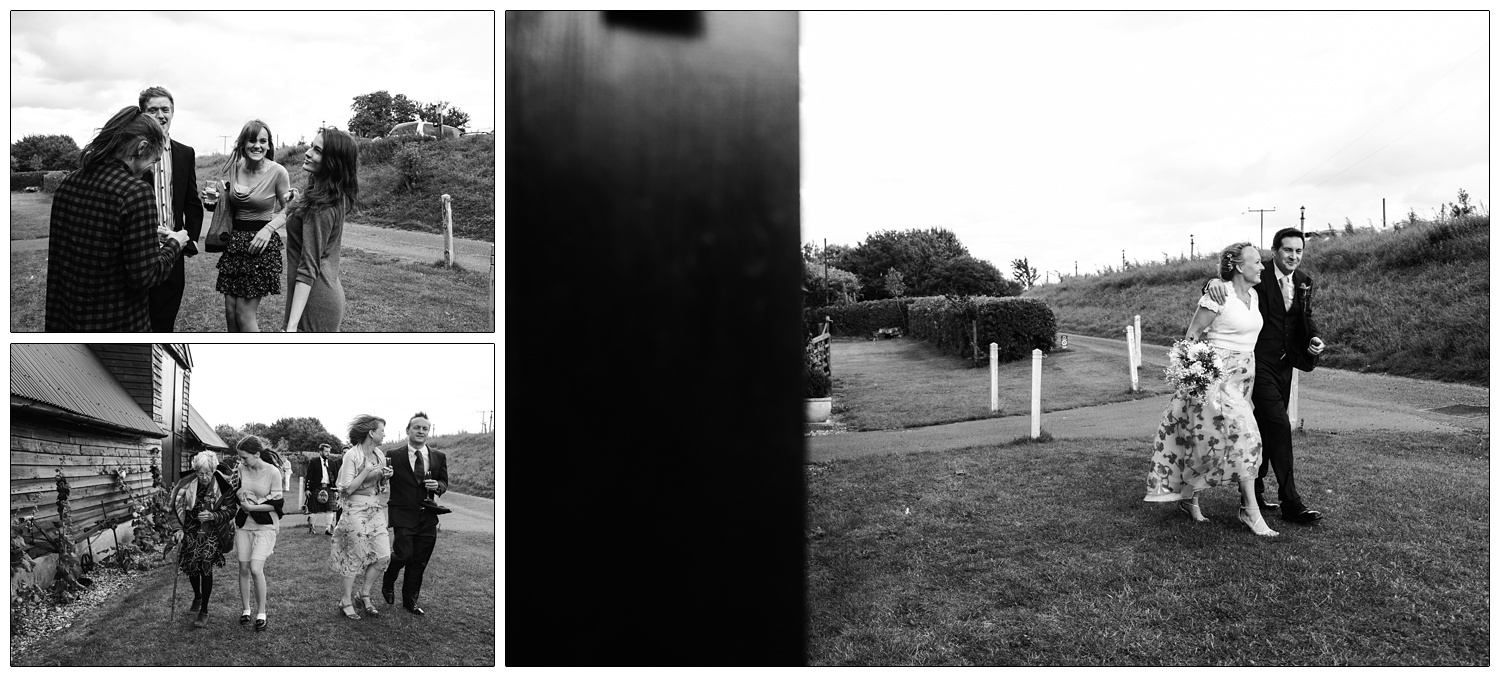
470	513
1330	400
407	245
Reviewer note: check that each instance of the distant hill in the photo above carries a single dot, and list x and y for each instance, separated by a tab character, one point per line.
1410	302
471	461
464	168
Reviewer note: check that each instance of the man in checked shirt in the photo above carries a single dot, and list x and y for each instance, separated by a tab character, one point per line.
103	256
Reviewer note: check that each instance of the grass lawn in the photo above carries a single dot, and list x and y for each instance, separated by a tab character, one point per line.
458	595
907	383
30	214
1045	554
381	294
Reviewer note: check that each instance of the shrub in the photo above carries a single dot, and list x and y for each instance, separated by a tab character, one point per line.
51	180
414	165
20	180
815	382
1017	325
377	151
859	319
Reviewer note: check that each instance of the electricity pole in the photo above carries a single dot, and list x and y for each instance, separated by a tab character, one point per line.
825	272
1302	219
1262	223
226	143
1190	245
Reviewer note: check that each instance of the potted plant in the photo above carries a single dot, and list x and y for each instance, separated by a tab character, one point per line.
818	389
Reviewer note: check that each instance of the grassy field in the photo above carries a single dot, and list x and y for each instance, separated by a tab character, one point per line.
458	595
29	215
464	168
1413	302
471	461
1045	554
907	383
381	294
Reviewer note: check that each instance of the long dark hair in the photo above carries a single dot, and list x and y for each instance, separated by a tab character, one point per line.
248	132
336	184
127	127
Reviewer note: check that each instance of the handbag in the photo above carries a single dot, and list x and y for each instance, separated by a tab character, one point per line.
217	239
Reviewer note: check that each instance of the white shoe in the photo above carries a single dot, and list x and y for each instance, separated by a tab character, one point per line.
1190	507
1257	525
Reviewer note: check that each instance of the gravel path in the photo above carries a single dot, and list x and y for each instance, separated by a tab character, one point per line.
1331	400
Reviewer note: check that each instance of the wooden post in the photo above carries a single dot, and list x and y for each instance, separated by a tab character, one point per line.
994	377
1291	403
1137	353
492	287
447	230
1130	357
1036	393
974	331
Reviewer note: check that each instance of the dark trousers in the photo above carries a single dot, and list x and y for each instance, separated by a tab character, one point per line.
411	548
165	299
1273	386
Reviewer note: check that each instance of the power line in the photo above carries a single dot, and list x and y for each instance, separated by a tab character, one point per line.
1377	150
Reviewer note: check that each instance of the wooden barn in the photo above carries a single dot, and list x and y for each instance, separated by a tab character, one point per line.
89	410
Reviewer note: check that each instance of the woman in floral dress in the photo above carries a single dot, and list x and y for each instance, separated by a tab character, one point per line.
1203	444
205	506
361	547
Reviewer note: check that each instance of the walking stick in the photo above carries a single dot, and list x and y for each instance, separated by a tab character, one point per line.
173	613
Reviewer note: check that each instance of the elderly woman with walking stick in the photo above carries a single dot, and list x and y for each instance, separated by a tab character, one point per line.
205	507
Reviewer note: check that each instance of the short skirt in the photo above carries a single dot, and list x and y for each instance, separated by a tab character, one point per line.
249	275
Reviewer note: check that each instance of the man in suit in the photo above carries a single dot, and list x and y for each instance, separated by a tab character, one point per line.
322	480
411	513
175	180
1288	339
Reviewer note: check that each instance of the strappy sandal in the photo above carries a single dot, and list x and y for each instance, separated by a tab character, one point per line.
260	624
348	611
369	606
244	619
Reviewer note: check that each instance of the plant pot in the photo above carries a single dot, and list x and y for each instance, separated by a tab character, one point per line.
818	409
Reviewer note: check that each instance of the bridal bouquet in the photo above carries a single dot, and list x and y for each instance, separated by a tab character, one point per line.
1193	368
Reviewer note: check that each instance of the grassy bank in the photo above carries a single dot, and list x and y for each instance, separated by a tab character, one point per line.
1045	554
471	461
907	383
463	168
1413	302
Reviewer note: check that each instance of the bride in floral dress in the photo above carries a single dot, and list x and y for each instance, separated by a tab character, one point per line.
1203	444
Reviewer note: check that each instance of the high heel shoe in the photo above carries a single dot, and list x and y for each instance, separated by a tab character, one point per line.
1258	525
1190	507
369	606
348	611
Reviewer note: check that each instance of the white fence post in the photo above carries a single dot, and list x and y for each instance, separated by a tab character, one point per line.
448	230
1036	393
1137	341
994	377
1291	403
1130	339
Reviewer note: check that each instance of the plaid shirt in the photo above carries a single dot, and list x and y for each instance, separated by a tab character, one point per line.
104	255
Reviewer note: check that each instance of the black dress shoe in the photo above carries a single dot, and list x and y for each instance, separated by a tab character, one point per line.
1265	505
1304	517
415	610
389	594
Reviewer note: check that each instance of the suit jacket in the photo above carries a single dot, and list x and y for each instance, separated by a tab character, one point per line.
187	208
314	480
1285	334
408	492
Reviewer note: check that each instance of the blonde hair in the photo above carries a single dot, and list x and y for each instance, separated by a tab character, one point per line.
1233	256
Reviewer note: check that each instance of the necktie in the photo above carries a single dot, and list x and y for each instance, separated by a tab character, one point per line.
1286	291
417	464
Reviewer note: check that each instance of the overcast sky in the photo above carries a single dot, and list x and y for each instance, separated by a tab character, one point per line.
71	71
1073	136
236	384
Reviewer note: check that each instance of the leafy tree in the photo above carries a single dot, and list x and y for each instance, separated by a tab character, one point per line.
374	114
1025	274
440	111
38	152
914	253
404	110
301	434
1462	208
968	276
894	284
230	434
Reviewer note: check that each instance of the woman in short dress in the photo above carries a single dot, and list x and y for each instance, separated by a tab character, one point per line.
1205	444
205	506
250	267
315	233
361	546
258	522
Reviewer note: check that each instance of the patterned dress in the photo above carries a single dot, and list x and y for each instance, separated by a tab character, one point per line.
242	273
1205	444
202	542
360	539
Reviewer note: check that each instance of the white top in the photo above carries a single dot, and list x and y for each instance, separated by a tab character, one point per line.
1235	327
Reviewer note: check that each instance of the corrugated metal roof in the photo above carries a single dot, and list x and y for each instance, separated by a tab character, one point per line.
70	377
200	429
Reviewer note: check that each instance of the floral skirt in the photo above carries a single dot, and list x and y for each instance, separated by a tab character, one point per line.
1205	444
200	550
249	275
360	539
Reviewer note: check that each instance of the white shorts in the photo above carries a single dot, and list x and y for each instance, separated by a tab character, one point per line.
253	544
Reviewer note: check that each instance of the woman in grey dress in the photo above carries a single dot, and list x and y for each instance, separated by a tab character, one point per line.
315	233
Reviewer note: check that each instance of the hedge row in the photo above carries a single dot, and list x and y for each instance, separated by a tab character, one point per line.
19	180
1018	325
858	319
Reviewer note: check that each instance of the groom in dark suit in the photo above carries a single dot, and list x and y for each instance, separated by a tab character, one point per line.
175	179
411	513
